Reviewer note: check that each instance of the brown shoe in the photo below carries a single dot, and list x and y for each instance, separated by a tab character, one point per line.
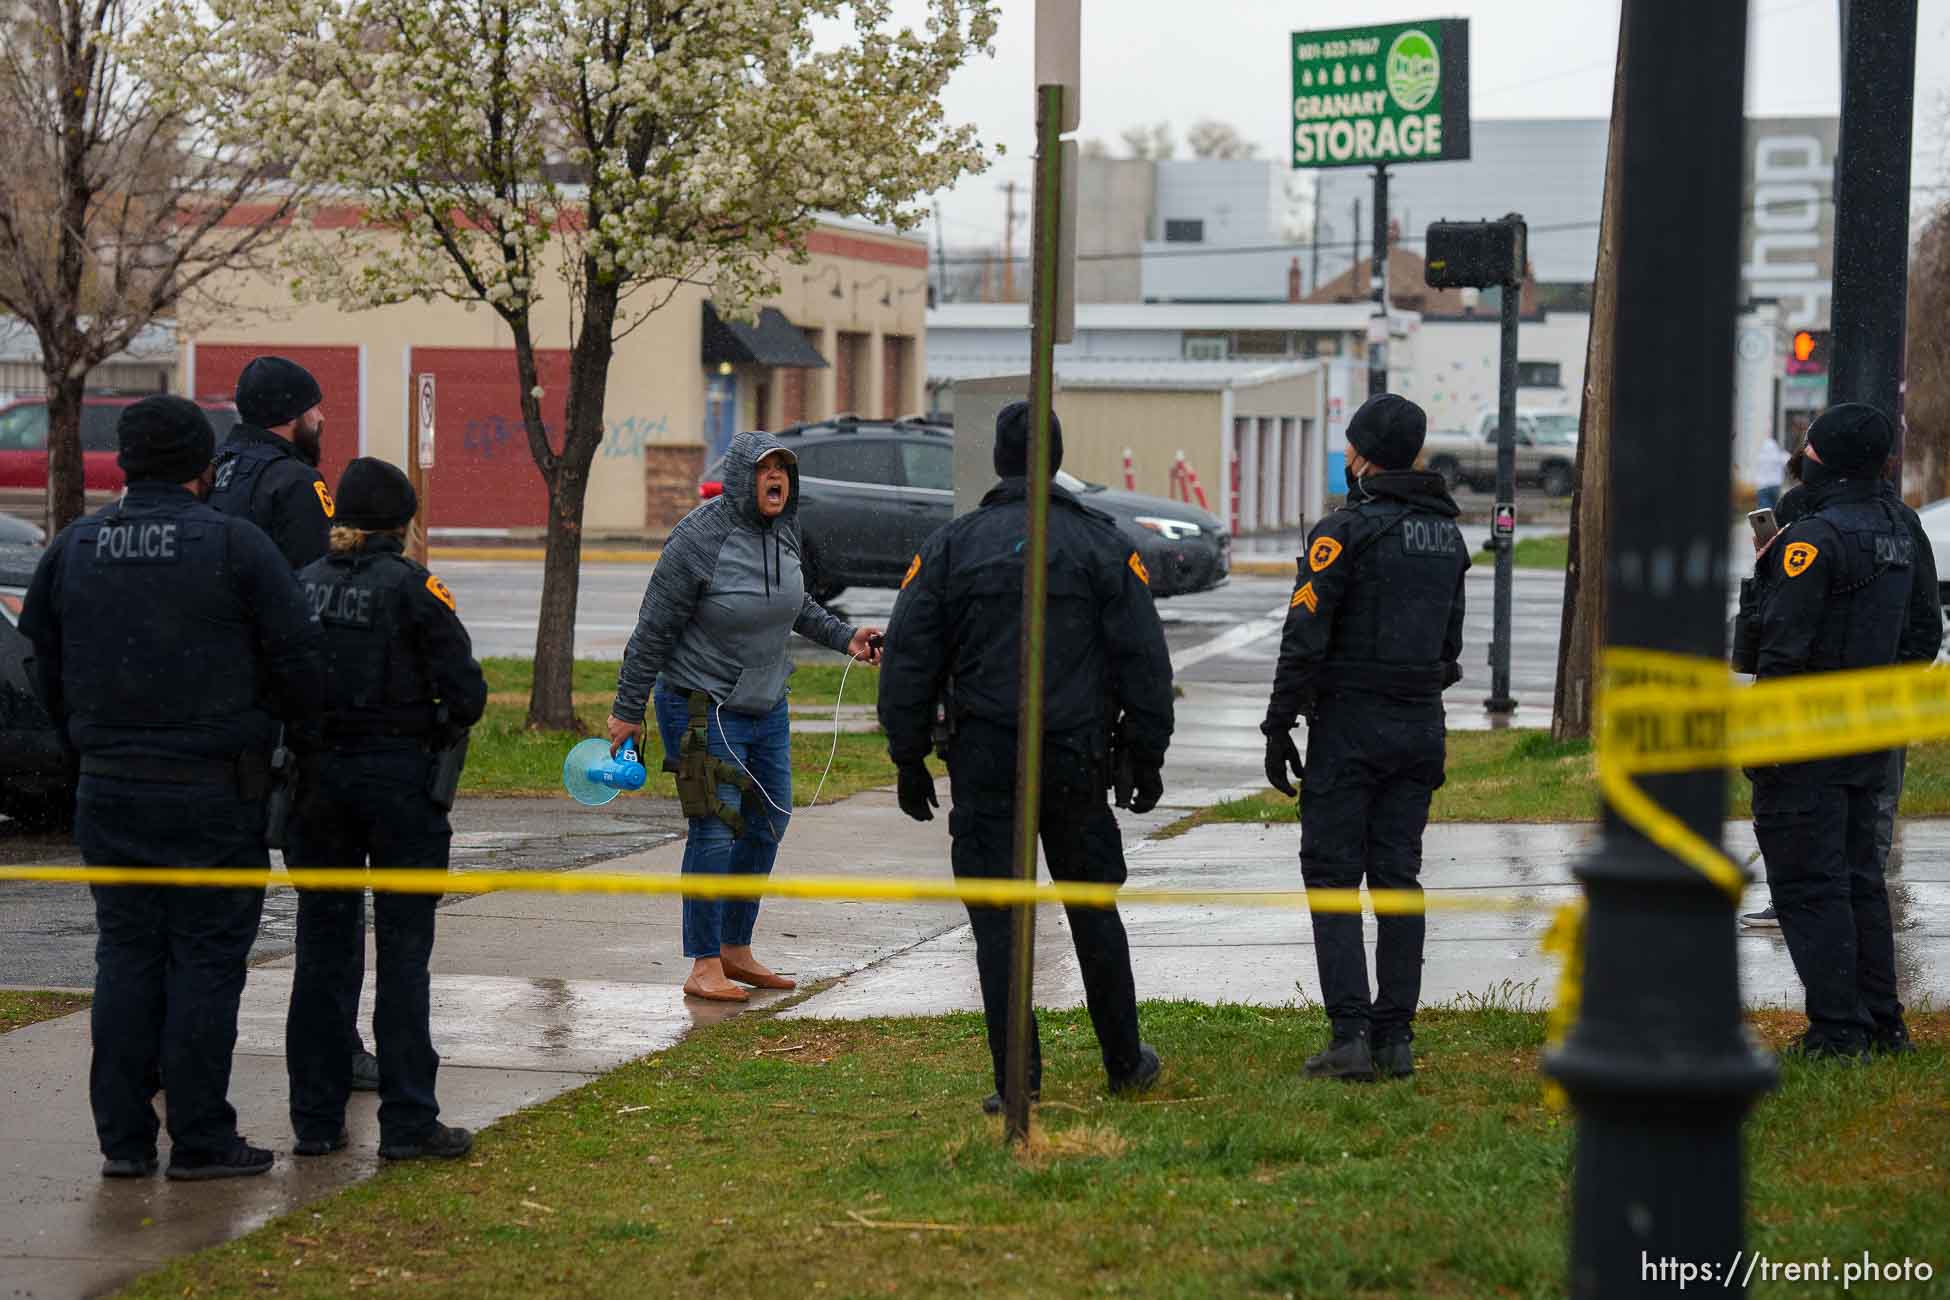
759	979
694	990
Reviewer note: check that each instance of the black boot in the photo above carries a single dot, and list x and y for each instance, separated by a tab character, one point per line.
365	1072
242	1160
1394	1060
1142	1076
1347	1059
441	1142
1891	1040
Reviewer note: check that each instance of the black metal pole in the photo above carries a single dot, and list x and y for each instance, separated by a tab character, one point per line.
1035	603
1659	1065
1506	497
1378	287
1869	311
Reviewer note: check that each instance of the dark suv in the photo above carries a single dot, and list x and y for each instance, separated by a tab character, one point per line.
871	491
37	776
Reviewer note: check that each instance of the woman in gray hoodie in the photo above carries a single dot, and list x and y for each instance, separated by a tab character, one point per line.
709	643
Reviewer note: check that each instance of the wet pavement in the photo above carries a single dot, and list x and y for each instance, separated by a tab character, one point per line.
47	932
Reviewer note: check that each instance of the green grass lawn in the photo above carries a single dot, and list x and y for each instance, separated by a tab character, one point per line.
765	1157
1523	776
505	758
19	1008
1532	553
593	682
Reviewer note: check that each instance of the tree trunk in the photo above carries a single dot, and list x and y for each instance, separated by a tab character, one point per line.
1581	631
551	701
66	480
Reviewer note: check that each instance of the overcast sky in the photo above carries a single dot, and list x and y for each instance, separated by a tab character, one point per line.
1182	60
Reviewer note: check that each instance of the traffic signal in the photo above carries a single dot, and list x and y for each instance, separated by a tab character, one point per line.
1808	353
1475	254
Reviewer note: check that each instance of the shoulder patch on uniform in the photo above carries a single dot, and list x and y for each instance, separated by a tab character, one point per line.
1323	553
1137	567
324	498
1798	556
913	571
440	592
1305	596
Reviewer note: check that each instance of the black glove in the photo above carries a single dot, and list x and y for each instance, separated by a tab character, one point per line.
1281	755
917	791
1147	785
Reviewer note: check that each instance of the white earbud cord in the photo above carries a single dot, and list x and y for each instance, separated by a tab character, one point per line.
833	754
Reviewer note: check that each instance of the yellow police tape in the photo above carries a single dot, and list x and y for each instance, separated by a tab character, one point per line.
1659	712
981	891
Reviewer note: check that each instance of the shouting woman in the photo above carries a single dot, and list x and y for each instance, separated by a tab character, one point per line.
726	595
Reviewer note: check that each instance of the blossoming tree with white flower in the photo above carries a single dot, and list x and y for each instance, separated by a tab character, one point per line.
609	150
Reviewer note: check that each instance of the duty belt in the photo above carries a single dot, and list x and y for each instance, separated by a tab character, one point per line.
170	771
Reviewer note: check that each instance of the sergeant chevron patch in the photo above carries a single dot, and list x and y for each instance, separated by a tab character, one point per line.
1305	596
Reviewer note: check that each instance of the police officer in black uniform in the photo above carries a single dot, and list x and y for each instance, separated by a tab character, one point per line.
1835	593
128	610
402	687
267	469
1372	636
267	472
955	638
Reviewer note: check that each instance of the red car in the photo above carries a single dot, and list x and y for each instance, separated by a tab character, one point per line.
23	441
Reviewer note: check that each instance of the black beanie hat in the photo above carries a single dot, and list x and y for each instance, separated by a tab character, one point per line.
1852	437
1012	441
375	496
273	391
164	439
1388	430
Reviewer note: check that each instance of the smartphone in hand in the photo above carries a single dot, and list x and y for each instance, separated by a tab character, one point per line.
1762	522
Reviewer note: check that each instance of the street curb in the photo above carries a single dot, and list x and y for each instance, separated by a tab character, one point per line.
1263	568
532	554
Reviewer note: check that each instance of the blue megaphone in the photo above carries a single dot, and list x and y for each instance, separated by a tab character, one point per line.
592	777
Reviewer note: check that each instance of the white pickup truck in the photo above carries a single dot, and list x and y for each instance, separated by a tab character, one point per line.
1547	453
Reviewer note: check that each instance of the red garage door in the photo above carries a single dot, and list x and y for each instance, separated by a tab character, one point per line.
335	368
484	475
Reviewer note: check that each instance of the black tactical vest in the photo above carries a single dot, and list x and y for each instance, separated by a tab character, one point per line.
1868	591
239	466
1394	614
374	682
161	568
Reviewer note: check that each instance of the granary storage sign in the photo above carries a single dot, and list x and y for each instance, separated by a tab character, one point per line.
1390	94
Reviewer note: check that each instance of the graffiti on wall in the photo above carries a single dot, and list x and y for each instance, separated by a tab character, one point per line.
626	438
492	437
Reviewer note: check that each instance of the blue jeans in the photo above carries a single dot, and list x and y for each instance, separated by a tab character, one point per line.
764	745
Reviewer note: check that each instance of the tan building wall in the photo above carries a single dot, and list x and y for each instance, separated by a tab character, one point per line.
1099	423
857	280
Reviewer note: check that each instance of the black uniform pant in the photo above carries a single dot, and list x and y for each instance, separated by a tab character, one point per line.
1826	878
1371	768
169	962
1080	842
363	809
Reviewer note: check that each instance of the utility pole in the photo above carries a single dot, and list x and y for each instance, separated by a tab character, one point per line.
1869	309
1313	283
940	256
1354	267
1378	287
1660	1065
1503	527
1051	321
1008	189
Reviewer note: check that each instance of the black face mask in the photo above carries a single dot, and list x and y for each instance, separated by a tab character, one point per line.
308	442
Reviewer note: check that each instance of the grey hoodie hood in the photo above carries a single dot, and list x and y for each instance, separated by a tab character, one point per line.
741	477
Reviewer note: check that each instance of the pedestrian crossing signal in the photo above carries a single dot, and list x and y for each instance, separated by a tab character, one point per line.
1808	353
